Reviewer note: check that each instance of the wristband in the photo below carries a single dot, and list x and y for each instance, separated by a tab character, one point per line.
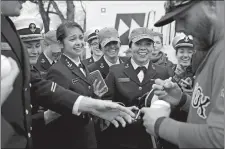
182	100
157	125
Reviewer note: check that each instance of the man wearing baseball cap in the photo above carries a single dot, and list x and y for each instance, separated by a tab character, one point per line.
127	83
109	41
91	37
51	53
205	124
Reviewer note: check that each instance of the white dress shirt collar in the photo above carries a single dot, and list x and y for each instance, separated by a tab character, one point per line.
109	63
135	65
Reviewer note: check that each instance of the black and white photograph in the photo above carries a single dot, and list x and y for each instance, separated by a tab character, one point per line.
112	74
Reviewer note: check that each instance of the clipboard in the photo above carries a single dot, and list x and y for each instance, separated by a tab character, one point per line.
96	75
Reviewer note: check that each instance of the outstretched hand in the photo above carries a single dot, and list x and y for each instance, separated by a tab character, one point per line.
107	110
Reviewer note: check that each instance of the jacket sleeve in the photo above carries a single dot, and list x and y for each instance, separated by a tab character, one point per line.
209	135
51	95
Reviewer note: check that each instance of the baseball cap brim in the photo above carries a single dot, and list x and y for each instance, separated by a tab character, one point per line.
141	37
107	40
169	17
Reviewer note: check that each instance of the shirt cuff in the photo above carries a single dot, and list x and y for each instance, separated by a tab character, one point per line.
76	106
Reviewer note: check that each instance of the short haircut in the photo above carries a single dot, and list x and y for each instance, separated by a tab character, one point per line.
61	30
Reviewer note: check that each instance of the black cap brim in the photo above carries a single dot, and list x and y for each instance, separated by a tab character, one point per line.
169	17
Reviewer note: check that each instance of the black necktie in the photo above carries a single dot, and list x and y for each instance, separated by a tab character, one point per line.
53	62
141	68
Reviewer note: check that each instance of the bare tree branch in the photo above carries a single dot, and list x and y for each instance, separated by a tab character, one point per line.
55	6
44	15
85	20
84	10
52	12
49	4
70	10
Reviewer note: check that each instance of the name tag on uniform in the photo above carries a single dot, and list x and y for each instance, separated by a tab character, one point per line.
5	46
123	79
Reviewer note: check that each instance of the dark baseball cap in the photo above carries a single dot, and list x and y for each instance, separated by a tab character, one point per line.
173	8
140	33
107	35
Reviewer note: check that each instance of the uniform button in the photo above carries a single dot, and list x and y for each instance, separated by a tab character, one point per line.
140	88
30	128
89	87
25	89
31	106
27	111
30	84
29	135
139	98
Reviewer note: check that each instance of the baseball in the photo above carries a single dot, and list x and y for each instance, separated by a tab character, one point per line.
160	104
5	66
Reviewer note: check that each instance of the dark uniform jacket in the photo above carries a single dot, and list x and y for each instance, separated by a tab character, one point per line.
75	133
43	64
88	61
124	86
16	111
102	66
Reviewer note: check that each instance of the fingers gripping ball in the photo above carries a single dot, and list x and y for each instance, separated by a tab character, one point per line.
5	67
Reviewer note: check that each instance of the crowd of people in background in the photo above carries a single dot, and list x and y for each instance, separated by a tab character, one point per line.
57	106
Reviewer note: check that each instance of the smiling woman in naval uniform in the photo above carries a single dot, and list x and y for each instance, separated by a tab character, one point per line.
70	73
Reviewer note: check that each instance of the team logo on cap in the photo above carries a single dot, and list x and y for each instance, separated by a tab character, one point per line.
32	27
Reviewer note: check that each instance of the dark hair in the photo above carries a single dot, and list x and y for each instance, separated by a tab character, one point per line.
160	35
61	30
